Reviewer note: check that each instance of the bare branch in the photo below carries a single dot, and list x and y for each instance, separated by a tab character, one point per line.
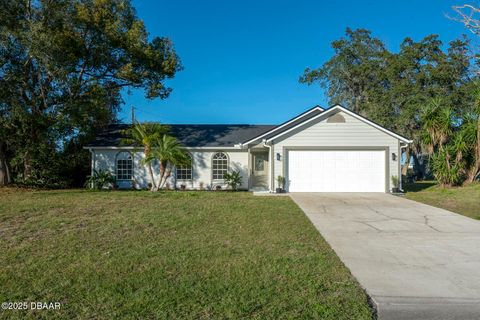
469	15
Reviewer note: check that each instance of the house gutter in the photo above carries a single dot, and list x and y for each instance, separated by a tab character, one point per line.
400	158
264	141
93	155
93	162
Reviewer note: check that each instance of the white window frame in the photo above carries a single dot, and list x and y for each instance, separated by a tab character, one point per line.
224	162
185	170
127	161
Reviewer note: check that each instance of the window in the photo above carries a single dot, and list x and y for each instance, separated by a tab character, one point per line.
260	159
219	165
124	166
185	172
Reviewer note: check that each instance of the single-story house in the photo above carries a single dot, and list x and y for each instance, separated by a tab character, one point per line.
333	150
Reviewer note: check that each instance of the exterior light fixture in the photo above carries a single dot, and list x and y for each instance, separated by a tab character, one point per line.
394	156
278	156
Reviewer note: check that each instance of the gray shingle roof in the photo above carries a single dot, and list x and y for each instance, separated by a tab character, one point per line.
301	118
190	135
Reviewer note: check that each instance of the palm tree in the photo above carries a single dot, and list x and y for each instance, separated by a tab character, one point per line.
474	137
438	123
146	135
169	153
438	126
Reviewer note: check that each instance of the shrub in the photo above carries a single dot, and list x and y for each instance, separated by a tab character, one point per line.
281	182
395	181
233	179
448	173
99	180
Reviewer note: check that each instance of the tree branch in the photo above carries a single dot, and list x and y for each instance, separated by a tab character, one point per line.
467	14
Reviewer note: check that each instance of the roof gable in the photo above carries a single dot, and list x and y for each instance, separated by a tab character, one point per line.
332	111
287	124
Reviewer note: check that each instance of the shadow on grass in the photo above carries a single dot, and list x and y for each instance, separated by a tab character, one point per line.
418	186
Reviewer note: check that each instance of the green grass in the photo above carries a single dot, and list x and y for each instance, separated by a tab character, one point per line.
464	200
176	255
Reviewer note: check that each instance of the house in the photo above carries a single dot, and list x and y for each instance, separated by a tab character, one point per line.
333	150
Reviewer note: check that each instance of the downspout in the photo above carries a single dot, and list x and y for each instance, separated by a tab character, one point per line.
92	170
270	186
92	154
400	184
250	169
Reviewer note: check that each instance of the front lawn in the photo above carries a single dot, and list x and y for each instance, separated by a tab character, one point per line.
175	255
463	200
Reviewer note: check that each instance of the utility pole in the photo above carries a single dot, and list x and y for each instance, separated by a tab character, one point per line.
133	115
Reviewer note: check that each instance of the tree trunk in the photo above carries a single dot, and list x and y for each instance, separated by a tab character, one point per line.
407	161
152	178
356	107
161	177
4	169
474	171
147	151
27	167
166	175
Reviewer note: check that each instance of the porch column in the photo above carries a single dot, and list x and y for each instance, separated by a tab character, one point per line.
271	184
249	169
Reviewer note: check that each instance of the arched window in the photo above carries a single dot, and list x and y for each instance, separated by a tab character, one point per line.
219	165
124	166
185	172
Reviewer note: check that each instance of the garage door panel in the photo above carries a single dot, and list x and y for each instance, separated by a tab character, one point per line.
336	171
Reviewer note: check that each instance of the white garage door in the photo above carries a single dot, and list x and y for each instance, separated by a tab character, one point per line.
336	171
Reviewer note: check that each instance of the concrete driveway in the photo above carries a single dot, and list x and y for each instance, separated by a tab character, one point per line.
415	261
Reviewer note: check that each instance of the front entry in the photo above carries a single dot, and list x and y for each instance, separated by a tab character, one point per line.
260	170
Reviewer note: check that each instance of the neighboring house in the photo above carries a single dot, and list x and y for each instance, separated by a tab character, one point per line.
333	150
420	168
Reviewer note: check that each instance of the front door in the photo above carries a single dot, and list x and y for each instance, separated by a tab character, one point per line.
260	170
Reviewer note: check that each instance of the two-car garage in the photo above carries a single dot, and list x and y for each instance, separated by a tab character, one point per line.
335	150
336	170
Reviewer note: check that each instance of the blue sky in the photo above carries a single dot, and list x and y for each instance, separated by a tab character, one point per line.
242	59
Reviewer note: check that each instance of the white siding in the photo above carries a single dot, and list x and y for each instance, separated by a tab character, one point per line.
104	159
202	167
352	133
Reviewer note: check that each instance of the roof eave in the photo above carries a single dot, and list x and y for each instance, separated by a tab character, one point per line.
140	148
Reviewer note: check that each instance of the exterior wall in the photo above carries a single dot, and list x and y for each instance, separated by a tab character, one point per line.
352	133
104	159
202	168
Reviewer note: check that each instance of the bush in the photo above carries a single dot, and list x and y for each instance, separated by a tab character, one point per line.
99	180
281	182
395	181
448	173
233	179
